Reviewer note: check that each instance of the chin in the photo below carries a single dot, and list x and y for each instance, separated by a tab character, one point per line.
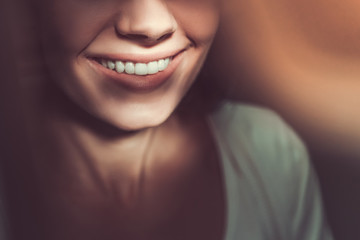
137	117
137	124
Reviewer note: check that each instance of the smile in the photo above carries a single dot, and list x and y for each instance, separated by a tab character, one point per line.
137	73
132	68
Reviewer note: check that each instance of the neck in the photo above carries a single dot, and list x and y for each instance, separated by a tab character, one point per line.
81	148
85	166
112	161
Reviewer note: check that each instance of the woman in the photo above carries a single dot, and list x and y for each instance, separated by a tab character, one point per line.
119	153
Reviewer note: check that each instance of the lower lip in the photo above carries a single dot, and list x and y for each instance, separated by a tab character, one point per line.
139	83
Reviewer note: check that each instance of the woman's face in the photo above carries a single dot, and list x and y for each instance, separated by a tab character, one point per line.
128	62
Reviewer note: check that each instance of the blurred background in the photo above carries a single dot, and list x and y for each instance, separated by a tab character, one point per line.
301	58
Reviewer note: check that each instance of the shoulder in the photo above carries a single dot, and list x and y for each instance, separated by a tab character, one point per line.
269	144
250	119
275	160
274	148
261	131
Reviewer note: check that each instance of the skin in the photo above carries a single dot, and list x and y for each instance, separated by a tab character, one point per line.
110	163
68	40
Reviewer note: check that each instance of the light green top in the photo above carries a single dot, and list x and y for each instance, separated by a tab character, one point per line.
272	192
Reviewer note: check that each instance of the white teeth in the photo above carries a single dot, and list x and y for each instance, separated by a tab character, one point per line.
161	64
152	67
129	68
119	66
140	69
111	65
167	61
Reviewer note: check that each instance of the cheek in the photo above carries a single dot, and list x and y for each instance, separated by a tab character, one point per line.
69	26
199	19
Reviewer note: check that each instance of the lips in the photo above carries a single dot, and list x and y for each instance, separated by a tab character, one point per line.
137	73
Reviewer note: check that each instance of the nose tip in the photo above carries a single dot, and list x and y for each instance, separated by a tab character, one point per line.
146	22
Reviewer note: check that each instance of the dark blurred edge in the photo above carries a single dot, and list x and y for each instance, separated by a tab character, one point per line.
339	172
14	147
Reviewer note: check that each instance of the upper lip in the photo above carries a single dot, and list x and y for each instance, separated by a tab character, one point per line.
133	57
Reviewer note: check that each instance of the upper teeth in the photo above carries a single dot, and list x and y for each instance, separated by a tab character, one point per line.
136	68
